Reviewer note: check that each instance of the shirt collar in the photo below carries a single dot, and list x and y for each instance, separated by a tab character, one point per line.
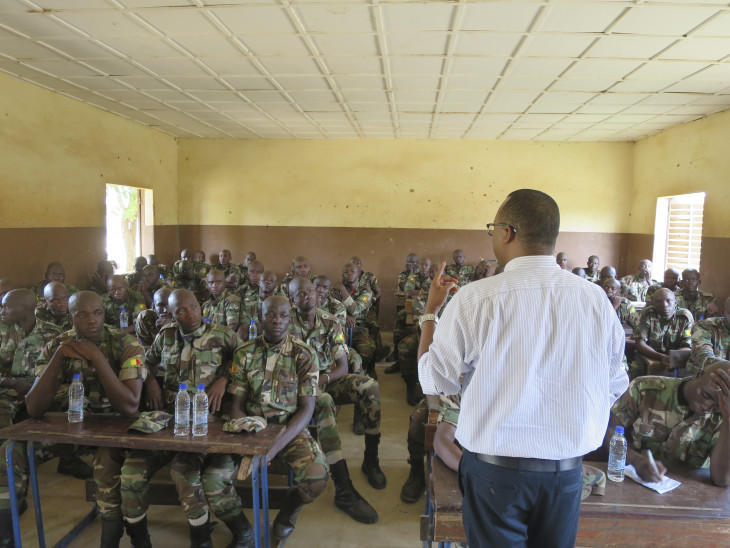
190	337
532	261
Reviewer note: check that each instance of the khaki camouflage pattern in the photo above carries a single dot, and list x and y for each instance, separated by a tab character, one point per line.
362	300
225	309
133	278
368	280
200	357
308	465
325	417
416	438
272	390
232	270
698	307
677	434
354	361
404	277
284	284
149	422
337	309
38	287
145	327
595	276
465	274
626	313
408	355
134	304
251	308
660	334
325	337
654	288
635	288
201	270
44	314
124	353
710	343
245	424
417	280
362	391
594	481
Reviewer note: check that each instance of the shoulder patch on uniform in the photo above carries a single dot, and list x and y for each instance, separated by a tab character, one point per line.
650	383
327	316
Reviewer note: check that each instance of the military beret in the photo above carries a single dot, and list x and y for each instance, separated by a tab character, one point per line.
245	424
151	421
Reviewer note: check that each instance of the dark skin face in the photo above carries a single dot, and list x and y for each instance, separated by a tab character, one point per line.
303	295
645	269
187	270
664	302
216	282
139	263
185	310
425	266
612	288
250	256
150	275
186	255
224	258
268	283
322	287
607	272
562	260
671	278
411	262
56	298
118	288
255	270
592	264
56	273
160	303
459	258
275	314
302	268
16	307
199	257
87	316
350	274
690	281
701	395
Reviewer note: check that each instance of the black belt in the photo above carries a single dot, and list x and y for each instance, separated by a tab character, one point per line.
531	465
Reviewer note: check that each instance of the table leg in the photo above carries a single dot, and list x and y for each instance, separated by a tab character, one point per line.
13	495
36	495
255	465
265	498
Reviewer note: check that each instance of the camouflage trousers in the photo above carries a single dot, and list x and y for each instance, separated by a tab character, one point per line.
374	331
9	407
354	362
408	355
364	345
325	417
43	453
417	432
399	330
122	479
206	481
308	465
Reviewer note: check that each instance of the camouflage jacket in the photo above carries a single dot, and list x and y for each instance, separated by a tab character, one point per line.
223	310
19	351
404	276
663	334
200	357
133	278
654	288
134	304
634	287
270	378
416	281
231	270
38	287
595	276
284	285
43	314
465	274
336	308
251	308
627	313
710	342
201	269
145	327
698	307
368	280
325	337
653	410
358	303
124	354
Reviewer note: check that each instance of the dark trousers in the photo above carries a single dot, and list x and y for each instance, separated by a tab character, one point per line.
513	508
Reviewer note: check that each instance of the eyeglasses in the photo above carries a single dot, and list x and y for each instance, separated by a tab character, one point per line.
490	227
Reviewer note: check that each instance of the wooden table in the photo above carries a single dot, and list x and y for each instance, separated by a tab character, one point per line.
111	431
697	513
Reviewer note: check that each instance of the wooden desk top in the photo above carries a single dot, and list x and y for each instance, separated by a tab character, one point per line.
111	431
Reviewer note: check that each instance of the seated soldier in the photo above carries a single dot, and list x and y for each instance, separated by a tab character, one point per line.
251	307
119	298
149	283
607	272
223	307
111	368
183	277
700	303
370	281
200	267
54	309
150	321
163	269
247	260
276	354
711	341
562	260
322	287
671	282
415	483
133	278
410	270
104	271
662	327
578	271
460	270
186	255
300	267
195	352
54	273
5	286
591	269
22	338
253	278
635	286
483	270
231	271
322	332
410	276
624	308
682	421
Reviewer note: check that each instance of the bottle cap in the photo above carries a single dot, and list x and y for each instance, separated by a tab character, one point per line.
124	309
253	322
201	387
619	430
77	376
182	386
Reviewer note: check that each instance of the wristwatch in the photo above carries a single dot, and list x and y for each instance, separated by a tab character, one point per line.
427	318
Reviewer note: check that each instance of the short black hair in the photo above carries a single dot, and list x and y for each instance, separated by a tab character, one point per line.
535	216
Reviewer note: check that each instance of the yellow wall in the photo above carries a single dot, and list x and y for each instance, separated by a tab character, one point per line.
398	183
57	154
689	158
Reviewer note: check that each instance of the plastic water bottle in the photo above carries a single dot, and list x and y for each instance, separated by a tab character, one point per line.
123	319
252	333
200	412
617	455
182	411
76	399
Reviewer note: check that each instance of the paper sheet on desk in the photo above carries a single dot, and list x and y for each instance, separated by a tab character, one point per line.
664	486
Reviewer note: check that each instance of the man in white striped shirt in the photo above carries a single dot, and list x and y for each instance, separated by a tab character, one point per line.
537	384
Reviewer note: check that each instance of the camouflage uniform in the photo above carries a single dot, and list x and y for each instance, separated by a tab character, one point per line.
270	379
710	343
145	327
251	308
201	270
698	307
200	357
134	304
231	270
358	304
43	314
406	282
661	334
627	313
678	435
225	309
595	276
654	288
337	309
465	274
133	278
37	288
284	285
328	342
19	353
124	355
404	276
634	287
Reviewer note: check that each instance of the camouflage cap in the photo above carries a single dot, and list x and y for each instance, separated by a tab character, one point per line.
245	424
594	481
151	421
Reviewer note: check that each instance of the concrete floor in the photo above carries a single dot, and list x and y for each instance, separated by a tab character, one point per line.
319	524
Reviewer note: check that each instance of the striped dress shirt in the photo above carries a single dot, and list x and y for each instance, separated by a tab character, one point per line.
538	353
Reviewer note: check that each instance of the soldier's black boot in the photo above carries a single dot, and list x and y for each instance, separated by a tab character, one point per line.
243	536
200	535
111	532
6	529
371	463
415	485
347	498
413	390
138	533
286	519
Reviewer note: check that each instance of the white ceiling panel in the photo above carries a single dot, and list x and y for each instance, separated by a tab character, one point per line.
417	16
663	20
699	48
493	44
328	18
242	20
630	47
208	46
178	22
605	69
557	45
276	44
417	43
349	44
103	23
499	16
580	17
533	66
